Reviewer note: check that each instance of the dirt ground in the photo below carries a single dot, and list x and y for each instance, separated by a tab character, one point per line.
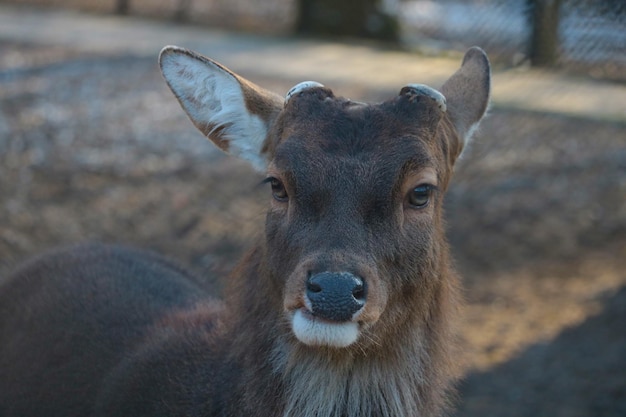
94	147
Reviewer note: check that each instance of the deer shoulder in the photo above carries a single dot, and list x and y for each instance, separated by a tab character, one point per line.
342	308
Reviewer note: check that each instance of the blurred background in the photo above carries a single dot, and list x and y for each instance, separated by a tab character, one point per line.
93	146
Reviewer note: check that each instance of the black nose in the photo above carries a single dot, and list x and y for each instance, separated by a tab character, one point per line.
335	296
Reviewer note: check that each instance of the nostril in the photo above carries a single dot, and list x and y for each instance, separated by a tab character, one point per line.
313	287
359	293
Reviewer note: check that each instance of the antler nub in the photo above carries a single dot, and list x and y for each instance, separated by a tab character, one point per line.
425	90
301	87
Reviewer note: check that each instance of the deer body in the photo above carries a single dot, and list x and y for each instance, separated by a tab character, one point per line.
342	309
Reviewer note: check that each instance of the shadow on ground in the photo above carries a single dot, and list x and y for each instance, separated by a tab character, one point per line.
579	373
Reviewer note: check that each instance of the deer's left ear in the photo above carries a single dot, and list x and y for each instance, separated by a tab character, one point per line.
232	112
467	93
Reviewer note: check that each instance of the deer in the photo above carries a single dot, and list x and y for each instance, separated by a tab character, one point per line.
345	306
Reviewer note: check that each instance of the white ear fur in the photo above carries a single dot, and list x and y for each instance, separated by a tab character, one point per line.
304	85
214	100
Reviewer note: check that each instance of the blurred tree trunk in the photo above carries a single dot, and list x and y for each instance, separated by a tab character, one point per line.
544	40
351	18
122	6
182	12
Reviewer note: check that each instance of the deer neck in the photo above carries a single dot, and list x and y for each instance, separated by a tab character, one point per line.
391	381
405	374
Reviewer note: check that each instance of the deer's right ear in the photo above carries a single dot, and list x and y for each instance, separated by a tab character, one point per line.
467	94
231	111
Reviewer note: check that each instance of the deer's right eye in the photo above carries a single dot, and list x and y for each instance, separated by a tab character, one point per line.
420	195
278	189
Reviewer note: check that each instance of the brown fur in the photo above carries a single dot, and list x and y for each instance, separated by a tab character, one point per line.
101	330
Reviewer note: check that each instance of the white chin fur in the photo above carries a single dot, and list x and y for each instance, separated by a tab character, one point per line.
314	332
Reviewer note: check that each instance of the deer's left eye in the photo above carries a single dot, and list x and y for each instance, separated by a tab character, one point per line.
278	189
419	196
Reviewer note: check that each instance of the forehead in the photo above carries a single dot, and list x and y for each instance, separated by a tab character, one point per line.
322	129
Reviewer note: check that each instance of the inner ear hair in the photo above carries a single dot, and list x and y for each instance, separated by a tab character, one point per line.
231	111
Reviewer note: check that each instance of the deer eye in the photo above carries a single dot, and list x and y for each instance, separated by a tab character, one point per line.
278	189
419	196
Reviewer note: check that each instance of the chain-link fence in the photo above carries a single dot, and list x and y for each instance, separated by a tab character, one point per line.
590	34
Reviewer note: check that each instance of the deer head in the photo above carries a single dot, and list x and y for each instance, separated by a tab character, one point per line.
354	234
